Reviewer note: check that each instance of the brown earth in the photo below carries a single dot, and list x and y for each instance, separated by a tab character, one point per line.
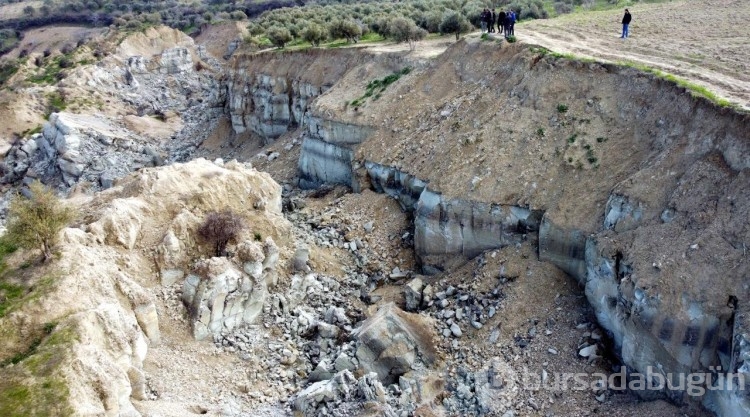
216	37
703	41
14	10
53	38
540	291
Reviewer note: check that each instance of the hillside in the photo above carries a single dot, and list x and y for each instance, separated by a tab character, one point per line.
421	232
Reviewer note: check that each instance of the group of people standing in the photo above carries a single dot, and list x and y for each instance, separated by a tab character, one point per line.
505	21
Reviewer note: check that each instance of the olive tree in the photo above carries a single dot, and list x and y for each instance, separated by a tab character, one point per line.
36	221
279	36
454	22
315	34
347	29
402	29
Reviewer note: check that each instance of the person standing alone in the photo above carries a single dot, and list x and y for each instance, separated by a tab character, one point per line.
625	24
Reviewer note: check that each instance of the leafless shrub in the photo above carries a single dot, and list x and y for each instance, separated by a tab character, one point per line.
219	228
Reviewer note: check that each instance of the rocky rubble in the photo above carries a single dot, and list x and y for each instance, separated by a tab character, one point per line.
312	319
168	90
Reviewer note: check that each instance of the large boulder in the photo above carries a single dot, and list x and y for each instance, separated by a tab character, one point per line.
345	394
393	342
221	297
175	61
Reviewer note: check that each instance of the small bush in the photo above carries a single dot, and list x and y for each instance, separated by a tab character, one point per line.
238	15
511	39
540	132
55	103
36	221
7	70
562	108
572	139
220	228
562	7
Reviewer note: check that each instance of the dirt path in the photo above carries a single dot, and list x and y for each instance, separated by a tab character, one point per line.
703	41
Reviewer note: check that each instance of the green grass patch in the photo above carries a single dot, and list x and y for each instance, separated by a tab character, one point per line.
560	55
694	89
33	386
371	37
34	397
562	108
55	103
10	294
18	357
601	139
376	87
33	131
540	132
51	72
338	43
572	138
298	44
7	70
14	295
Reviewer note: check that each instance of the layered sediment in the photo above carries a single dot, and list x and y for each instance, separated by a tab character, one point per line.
629	183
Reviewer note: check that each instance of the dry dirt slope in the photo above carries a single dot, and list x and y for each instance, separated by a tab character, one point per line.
704	41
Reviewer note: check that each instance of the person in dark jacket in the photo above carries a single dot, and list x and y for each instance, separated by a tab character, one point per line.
488	20
625	24
493	19
501	22
511	23
483	19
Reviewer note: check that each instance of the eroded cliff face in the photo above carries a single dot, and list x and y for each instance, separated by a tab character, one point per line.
131	244
271	94
633	186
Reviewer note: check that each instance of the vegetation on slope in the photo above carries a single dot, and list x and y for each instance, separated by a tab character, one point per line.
31	383
276	17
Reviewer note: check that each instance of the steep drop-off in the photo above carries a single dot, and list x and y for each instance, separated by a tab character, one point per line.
634	186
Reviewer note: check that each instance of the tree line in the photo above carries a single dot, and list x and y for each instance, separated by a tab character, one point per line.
403	21
293	15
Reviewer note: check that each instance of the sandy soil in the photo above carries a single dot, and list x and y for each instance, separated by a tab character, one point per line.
14	10
216	37
53	38
704	41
